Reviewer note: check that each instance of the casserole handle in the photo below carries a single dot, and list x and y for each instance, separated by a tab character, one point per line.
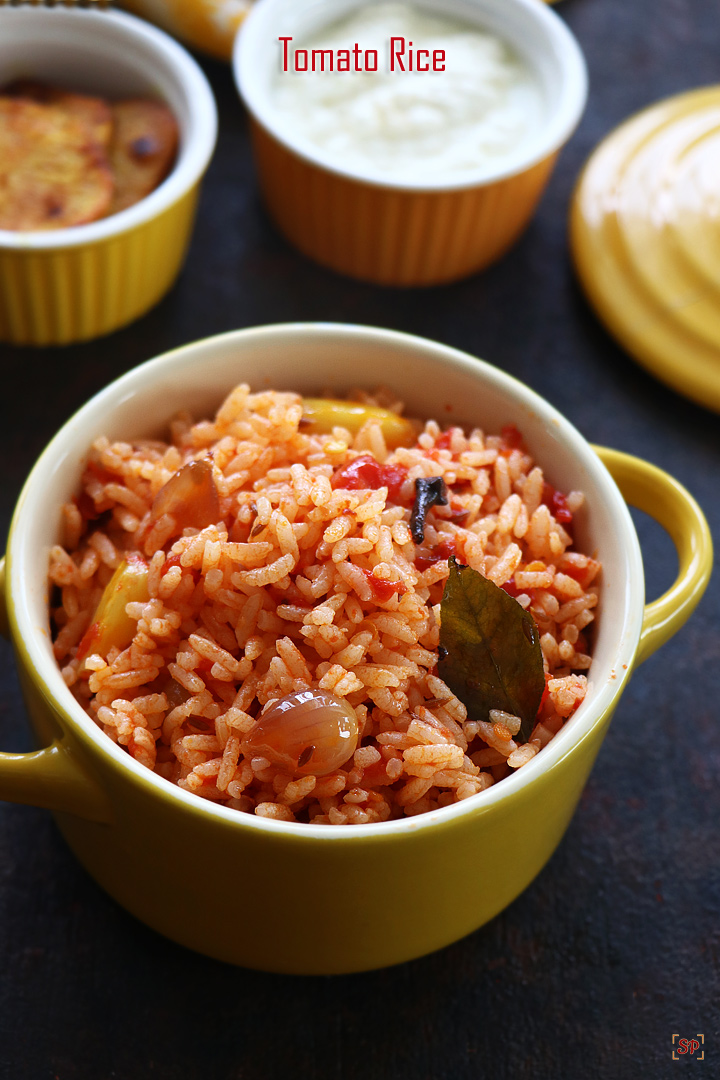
52	778
656	493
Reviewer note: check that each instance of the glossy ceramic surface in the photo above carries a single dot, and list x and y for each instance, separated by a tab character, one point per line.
71	284
645	233
420	232
322	899
393	237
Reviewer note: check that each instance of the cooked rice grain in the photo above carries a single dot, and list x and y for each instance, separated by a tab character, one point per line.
302	585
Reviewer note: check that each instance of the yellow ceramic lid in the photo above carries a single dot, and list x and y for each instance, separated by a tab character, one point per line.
645	237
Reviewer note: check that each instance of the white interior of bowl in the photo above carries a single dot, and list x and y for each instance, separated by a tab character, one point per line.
435	381
114	55
537	34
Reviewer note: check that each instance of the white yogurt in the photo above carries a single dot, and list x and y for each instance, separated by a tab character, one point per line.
470	117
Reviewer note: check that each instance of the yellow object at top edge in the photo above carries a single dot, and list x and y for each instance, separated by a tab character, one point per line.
645	236
210	25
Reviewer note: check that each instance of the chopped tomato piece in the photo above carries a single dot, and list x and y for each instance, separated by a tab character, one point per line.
365	472
428	557
584	575
512	590
375	775
382	588
556	503
511	439
443	441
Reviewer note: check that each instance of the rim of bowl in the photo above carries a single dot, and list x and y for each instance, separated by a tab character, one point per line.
158	370
564	118
197	143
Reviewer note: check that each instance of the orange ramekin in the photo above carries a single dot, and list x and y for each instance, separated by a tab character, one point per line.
63	285
406	232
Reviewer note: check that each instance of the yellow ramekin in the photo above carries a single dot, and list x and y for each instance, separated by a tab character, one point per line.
322	898
72	284
419	232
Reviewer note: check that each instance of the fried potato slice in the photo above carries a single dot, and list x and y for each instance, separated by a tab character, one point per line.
142	150
94	111
53	173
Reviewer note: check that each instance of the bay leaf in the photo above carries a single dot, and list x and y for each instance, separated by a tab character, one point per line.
490	649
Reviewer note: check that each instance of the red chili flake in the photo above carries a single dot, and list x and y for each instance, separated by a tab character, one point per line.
383	588
556	502
365	472
428	558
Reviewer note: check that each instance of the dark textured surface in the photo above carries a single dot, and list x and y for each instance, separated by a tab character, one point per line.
616	946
